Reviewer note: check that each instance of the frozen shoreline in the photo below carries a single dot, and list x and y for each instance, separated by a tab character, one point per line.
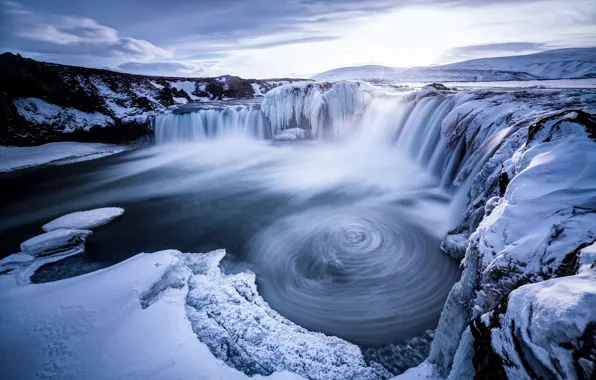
59	153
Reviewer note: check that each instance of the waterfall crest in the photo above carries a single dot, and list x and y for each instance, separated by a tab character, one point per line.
202	124
429	126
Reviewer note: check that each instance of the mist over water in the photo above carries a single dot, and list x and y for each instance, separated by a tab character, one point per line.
343	236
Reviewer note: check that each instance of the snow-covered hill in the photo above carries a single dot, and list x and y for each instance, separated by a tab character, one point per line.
44	102
554	64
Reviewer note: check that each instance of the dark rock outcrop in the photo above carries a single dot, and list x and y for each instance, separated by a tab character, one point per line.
45	102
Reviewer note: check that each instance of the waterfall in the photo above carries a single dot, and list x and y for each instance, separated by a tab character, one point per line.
202	124
412	126
326	111
415	123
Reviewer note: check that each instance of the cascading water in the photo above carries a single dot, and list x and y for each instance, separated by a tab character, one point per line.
195	125
362	114
411	126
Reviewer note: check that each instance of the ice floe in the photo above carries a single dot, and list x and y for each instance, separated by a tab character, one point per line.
85	220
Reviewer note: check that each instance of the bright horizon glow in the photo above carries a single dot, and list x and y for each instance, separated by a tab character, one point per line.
407	36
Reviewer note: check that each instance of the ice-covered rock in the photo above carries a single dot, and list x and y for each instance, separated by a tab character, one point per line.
228	314
536	228
291	134
60	241
85	220
544	330
316	106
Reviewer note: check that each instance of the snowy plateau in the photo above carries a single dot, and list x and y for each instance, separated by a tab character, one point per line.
553	64
517	165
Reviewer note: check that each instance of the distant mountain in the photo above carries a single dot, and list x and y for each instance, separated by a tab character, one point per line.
553	64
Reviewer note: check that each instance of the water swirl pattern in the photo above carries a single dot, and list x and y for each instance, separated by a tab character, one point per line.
370	275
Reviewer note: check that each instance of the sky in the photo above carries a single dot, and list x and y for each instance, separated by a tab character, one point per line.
293	38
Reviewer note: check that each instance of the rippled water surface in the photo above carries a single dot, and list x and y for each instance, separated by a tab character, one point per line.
344	238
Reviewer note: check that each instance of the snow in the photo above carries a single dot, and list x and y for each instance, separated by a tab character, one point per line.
383	74
257	90
57	241
291	134
424	371
587	258
531	84
94	326
158	86
550	321
188	87
555	64
63	119
526	234
14	158
161	315
85	220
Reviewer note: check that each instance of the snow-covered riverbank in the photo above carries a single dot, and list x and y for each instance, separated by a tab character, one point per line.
14	158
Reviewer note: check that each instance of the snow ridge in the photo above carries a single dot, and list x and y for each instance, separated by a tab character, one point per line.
554	64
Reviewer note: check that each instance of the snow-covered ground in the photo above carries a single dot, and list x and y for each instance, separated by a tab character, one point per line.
95	326
552	64
160	316
66	119
13	158
555	64
586	83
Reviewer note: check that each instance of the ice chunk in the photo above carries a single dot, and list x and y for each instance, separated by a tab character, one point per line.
60	241
291	134
85	219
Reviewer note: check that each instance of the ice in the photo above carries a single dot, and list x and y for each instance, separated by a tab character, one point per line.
314	106
291	134
532	232
207	123
228	314
55	242
13	158
85	220
587	258
546	329
161	314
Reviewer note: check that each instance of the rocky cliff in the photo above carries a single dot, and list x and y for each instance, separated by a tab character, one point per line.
44	102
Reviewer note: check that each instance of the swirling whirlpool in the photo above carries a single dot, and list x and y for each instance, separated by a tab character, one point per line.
368	275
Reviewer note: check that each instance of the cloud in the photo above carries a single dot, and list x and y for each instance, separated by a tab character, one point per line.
163	68
27	30
491	50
